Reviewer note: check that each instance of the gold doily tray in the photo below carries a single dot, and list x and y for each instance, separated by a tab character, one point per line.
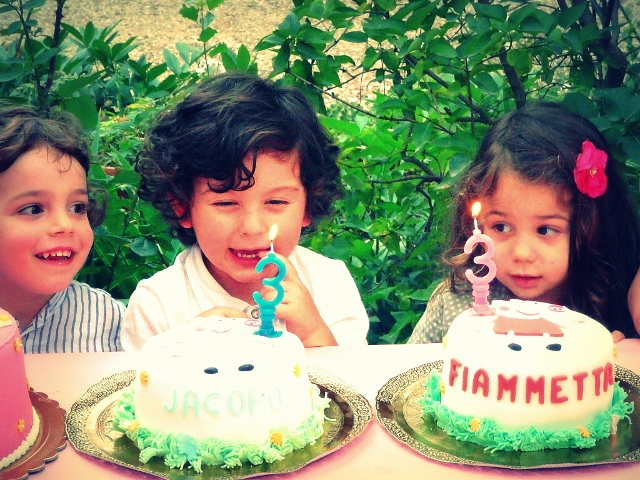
89	430
51	439
399	413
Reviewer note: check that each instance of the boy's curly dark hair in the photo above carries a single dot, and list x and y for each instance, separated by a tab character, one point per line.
211	131
541	142
23	129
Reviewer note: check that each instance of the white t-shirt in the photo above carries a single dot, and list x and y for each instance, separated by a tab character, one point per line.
175	295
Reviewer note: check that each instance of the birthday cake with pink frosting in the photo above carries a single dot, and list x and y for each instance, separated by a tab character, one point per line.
19	422
212	392
526	376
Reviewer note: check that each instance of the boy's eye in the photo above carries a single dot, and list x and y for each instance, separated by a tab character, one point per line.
277	202
224	203
34	209
79	208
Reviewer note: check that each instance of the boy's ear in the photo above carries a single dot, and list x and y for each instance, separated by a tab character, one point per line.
180	209
306	220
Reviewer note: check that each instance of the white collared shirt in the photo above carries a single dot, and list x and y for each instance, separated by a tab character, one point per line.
175	295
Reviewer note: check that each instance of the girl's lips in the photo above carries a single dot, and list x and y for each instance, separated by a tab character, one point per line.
524	281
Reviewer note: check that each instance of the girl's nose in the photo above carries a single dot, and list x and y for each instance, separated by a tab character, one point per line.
523	249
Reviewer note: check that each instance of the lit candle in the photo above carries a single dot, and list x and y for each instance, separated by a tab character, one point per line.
268	307
480	284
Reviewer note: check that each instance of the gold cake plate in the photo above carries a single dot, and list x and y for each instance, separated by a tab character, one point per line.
398	411
50	440
89	430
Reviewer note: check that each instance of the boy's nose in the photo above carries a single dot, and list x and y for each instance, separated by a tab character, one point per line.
61	223
252	223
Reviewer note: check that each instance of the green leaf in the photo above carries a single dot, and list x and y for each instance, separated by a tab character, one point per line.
70	87
497	12
207	34
143	247
439	46
211	4
281	60
14	71
386	5
355	37
290	25
83	107
569	16
519	59
190	13
244	58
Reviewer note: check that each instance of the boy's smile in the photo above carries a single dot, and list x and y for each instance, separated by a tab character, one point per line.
232	228
44	227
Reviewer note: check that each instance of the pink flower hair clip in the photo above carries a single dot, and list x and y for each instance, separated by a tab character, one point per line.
589	172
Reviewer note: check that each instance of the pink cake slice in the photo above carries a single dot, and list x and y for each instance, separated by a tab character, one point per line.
18	422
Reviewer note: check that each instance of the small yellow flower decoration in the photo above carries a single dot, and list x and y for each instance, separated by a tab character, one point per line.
20	426
474	424
615	351
296	370
5	318
441	388
444	342
133	426
144	377
277	438
584	432
17	344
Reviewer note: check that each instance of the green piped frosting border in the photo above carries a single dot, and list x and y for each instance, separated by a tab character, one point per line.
183	450
488	434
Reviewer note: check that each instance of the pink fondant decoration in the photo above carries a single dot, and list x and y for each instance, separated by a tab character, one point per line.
526	327
14	393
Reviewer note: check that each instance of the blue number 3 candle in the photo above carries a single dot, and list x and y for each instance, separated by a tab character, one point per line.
268	307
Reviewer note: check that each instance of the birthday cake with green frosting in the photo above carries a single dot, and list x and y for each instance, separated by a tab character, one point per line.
529	376
212	392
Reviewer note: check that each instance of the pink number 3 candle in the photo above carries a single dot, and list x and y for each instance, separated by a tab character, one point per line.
268	307
480	284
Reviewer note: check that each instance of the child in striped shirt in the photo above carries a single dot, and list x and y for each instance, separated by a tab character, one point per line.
46	235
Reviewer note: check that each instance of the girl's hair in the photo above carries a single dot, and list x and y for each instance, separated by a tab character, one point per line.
23	129
211	131
541	143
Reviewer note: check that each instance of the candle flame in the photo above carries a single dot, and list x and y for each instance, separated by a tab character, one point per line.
475	209
273	231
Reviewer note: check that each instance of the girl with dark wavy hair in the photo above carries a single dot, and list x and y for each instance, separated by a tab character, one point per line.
236	156
559	212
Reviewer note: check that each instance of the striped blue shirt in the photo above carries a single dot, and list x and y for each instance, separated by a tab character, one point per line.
78	319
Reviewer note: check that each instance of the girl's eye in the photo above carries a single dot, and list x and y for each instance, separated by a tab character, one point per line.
79	208
501	228
34	209
224	203
547	231
277	202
